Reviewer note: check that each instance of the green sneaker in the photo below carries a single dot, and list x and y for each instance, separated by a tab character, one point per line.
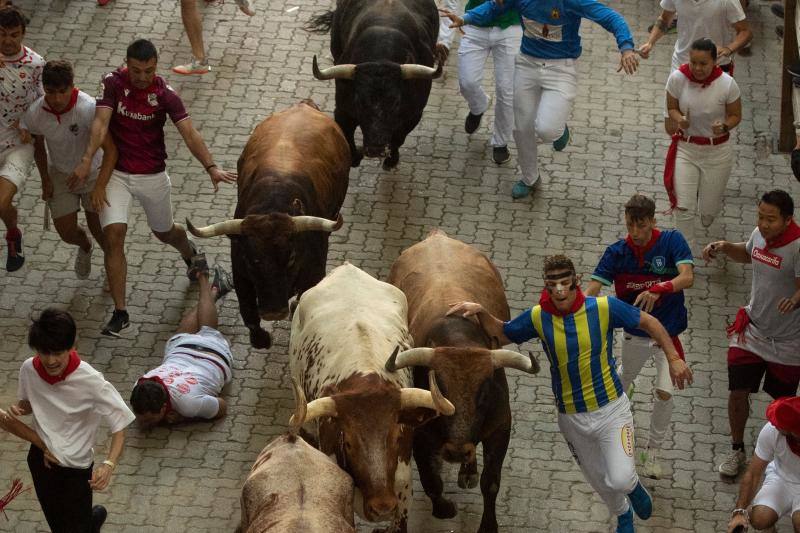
521	190
562	142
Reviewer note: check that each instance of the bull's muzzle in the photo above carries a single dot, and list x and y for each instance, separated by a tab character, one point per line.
380	508
454	453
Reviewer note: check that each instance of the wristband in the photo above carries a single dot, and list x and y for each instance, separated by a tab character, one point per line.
212	165
742	512
665	287
111	464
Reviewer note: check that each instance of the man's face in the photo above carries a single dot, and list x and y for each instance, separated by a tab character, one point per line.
11	40
770	221
57	98
562	287
641	231
55	363
151	419
142	73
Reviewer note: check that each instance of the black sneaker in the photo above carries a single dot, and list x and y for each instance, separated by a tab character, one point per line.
195	263
119	321
15	259
99	515
777	9
472	122
500	154
222	282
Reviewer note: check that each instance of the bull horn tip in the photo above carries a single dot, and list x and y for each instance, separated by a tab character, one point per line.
535	368
339	222
391	362
190	227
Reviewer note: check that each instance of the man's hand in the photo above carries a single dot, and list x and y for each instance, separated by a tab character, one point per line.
21	408
738	520
101	477
712	250
173	417
628	62
98	199
465	309
786	305
719	128
455	20
723	51
218	175
49	458
79	175
645	49
25	136
646	301
680	373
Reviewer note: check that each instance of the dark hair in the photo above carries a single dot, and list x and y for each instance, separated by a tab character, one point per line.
57	74
54	331
142	50
781	200
148	396
705	45
558	262
12	17
640	207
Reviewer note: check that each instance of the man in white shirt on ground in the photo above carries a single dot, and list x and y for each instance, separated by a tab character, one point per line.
197	364
61	122
68	400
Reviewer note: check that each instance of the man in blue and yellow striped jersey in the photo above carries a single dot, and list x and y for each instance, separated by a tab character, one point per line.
594	414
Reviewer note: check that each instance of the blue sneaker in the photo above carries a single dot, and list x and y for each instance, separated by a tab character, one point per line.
521	190
641	502
625	522
562	142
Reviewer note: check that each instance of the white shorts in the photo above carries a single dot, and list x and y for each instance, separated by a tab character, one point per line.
16	164
206	337
152	191
65	202
778	494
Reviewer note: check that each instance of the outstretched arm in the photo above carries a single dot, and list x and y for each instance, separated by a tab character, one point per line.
678	369
747	490
194	141
492	325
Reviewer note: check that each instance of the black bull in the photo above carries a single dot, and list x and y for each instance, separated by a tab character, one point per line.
383	52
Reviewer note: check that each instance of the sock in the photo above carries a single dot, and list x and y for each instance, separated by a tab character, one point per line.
738	446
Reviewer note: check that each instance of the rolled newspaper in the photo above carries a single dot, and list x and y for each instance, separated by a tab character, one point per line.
46	221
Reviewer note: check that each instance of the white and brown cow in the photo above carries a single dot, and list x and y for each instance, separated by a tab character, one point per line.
342	332
295	487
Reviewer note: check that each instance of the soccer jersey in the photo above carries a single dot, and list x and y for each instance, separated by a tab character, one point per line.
579	347
634	269
137	122
20	85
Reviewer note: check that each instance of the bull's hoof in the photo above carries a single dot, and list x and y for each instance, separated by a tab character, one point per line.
356	158
391	162
443	508
488	528
260	339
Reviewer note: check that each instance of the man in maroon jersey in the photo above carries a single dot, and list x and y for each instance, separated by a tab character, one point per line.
133	107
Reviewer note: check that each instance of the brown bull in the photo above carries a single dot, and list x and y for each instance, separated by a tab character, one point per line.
433	274
293	177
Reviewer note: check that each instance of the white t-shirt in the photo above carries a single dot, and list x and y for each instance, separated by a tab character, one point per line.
67	414
20	86
703	18
772	447
66	135
705	105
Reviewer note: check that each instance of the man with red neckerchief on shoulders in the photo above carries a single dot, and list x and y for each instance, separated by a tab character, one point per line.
765	337
68	400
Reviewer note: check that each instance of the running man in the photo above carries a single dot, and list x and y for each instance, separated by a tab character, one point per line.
594	414
649	269
545	75
133	107
765	337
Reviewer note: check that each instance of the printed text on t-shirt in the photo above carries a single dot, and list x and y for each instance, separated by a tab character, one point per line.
763	256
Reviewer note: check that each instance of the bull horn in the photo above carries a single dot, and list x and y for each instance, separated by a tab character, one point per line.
300	408
229	227
336	72
511	359
306	223
412	71
412	357
411	398
320	407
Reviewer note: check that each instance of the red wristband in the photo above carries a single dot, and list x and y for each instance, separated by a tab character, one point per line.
665	287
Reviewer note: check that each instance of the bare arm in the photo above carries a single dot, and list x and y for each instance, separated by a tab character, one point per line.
659	29
223	409
40	156
646	300
110	156
593	288
678	370
674	112
736	251
743	36
492	325
101	475
13	425
194	141
733	113
102	117
747	490
787	305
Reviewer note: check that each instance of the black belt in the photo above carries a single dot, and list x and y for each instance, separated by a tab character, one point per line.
206	349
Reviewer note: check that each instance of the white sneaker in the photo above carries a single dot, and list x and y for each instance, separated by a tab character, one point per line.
195	67
650	466
732	464
246	6
83	263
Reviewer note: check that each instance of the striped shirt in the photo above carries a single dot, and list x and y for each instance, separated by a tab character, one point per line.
579	347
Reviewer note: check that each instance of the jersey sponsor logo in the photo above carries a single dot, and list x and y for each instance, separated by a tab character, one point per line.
659	264
135	116
546	32
763	256
626	439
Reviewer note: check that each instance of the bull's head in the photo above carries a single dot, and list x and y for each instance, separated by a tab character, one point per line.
379	92
368	423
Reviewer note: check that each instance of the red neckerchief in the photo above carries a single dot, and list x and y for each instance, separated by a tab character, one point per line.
72	364
640	251
73	99
160	382
791	233
784	414
715	73
548	305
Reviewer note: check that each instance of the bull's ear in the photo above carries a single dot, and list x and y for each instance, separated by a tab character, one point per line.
416	416
298	208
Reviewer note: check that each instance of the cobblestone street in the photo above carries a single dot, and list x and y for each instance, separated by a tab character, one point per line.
188	478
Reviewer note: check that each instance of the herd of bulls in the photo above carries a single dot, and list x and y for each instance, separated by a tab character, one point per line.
380	367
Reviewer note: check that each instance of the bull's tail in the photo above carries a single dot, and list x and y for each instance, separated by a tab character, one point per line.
320	23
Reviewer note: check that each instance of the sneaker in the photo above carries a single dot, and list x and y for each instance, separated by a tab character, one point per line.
196	263
562	142
732	464
777	9
625	522
521	190
500	154
99	515
472	122
83	263
246	7
119	321
15	258
222	282
673	26
796	163
641	501
650	466
195	67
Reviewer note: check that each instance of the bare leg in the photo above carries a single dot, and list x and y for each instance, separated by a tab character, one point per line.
205	313
93	221
738	412
116	265
71	232
194	28
8	213
176	237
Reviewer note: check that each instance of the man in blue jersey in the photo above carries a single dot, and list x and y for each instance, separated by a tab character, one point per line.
545	80
594	414
649	269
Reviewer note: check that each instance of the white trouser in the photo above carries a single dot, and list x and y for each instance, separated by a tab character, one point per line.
635	353
544	90
445	31
602	444
701	174
472	55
